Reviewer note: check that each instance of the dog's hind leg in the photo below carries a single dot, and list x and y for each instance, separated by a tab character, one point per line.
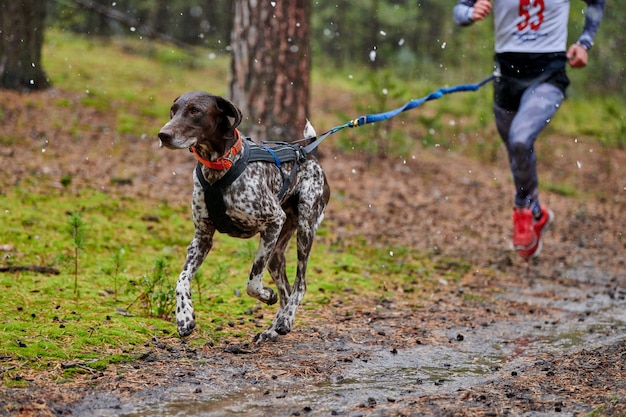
277	263
283	322
277	269
268	240
309	218
196	253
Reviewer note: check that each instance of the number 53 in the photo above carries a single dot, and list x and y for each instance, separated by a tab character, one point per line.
532	13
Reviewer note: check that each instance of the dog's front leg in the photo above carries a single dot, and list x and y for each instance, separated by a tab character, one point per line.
196	253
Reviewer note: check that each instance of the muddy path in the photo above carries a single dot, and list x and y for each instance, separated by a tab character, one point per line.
540	348
546	337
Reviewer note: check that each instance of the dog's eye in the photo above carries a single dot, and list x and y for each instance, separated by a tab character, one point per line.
194	111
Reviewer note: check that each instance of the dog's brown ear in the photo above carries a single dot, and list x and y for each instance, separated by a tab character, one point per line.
229	110
172	107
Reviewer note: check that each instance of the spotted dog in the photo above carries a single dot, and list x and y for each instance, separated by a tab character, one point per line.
265	199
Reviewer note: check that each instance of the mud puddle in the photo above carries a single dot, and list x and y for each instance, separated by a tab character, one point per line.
379	379
387	381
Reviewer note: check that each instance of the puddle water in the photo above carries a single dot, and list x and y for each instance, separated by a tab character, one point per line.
389	376
575	320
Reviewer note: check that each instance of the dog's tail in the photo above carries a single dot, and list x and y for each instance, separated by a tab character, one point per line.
309	132
310	135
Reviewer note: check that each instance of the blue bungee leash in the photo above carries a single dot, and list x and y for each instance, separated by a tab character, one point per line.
379	117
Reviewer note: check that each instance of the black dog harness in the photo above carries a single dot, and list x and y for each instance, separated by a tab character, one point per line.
273	152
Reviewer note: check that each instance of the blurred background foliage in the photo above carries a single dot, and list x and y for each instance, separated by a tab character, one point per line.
412	38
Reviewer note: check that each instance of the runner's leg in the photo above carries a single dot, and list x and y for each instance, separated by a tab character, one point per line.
538	105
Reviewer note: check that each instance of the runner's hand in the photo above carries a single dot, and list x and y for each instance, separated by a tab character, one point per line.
577	56
481	9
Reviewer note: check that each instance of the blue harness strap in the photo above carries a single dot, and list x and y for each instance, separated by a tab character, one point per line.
379	117
271	152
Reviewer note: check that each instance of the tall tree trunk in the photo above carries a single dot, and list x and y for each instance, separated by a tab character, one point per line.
271	67
21	40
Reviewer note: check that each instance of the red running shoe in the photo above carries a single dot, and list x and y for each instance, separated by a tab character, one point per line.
539	226
524	237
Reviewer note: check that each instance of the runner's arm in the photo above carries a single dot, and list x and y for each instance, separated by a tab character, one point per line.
593	17
462	12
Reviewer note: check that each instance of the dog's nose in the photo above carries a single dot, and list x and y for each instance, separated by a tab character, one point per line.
165	136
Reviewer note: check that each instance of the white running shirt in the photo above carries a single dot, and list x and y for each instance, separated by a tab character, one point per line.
530	25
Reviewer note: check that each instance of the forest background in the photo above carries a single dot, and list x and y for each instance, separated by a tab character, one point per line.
414	38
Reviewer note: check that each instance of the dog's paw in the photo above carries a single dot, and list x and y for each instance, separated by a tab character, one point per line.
266	295
185	328
273	297
267	336
282	326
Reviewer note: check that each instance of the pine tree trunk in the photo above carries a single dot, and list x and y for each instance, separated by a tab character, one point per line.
271	67
21	40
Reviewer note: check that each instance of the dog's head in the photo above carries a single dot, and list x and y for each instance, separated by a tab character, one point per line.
200	119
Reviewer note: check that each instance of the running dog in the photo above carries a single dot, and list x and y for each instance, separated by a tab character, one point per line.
273	200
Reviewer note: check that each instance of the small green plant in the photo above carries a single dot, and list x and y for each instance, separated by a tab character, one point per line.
220	274
118	265
77	232
66	180
158	297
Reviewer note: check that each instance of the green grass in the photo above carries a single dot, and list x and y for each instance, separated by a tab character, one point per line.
564	189
43	322
601	118
111	74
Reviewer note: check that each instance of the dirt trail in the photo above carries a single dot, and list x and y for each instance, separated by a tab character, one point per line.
528	352
511	338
